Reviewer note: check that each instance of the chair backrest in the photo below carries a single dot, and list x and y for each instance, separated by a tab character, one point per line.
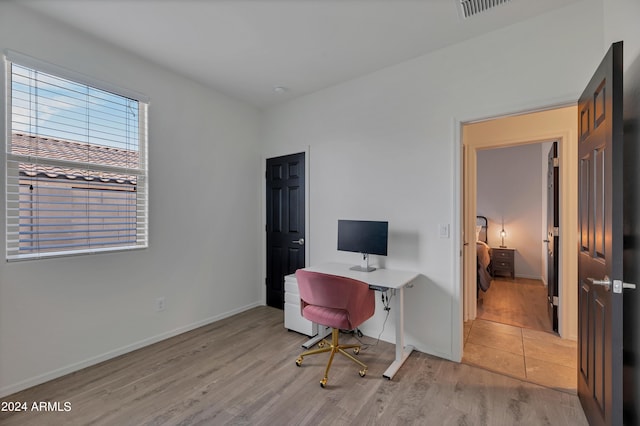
336	292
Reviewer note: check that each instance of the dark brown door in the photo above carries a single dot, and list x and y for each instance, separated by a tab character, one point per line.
285	200
600	156
553	239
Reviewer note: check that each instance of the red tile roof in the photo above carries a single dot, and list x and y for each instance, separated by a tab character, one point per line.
25	144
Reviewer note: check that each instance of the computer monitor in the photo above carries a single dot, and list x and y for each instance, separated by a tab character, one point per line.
365	237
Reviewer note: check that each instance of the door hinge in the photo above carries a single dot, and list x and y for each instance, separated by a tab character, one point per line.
556	231
556	162
556	301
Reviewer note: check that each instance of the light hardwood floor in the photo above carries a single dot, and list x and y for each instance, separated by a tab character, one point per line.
521	302
242	371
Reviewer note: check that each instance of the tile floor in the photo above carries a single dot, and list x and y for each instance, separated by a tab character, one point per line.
531	355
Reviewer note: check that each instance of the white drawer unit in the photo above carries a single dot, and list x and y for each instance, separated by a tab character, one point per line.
293	320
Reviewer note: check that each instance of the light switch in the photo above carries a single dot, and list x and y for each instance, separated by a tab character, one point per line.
443	230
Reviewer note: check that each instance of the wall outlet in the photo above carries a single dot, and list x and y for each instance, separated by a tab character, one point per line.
161	304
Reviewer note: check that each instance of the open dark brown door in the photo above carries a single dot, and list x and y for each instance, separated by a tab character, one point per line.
285	199
600	156
553	238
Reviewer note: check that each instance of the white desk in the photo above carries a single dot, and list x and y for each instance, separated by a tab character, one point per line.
380	279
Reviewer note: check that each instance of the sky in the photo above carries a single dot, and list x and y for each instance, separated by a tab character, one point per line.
50	106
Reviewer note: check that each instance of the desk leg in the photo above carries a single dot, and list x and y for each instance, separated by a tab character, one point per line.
322	333
402	352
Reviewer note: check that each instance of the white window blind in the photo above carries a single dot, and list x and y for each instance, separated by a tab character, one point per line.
75	162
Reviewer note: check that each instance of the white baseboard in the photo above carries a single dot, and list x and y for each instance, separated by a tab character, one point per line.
431	351
54	374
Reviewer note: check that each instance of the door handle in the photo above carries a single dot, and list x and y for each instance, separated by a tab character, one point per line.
546	241
300	241
619	285
606	282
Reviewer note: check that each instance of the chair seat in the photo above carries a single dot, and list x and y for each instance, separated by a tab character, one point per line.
331	317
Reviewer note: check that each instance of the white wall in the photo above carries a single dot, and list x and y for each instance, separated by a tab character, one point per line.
61	314
621	23
509	182
386	146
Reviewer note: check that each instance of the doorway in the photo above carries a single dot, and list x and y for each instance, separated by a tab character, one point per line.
285	195
551	125
513	196
554	124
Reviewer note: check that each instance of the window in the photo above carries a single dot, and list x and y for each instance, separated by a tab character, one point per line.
75	161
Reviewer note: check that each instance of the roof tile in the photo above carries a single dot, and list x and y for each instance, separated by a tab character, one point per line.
25	144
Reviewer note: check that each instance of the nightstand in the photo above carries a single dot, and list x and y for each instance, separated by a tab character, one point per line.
502	261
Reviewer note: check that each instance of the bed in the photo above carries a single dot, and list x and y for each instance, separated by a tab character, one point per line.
483	254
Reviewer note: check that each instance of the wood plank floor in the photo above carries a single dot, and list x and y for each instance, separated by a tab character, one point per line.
241	371
521	302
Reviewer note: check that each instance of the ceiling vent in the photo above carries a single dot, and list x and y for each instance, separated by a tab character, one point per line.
469	8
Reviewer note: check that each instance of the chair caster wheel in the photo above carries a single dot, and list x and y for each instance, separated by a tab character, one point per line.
323	383
356	351
299	361
362	373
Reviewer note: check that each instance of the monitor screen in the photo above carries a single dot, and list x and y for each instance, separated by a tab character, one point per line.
363	236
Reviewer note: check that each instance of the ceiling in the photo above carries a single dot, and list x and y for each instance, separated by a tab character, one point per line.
246	48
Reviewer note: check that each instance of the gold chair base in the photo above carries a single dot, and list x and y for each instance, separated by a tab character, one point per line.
333	347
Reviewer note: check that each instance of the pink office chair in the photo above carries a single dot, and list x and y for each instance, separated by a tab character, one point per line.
336	302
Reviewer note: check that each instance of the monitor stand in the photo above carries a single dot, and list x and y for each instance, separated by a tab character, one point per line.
364	264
